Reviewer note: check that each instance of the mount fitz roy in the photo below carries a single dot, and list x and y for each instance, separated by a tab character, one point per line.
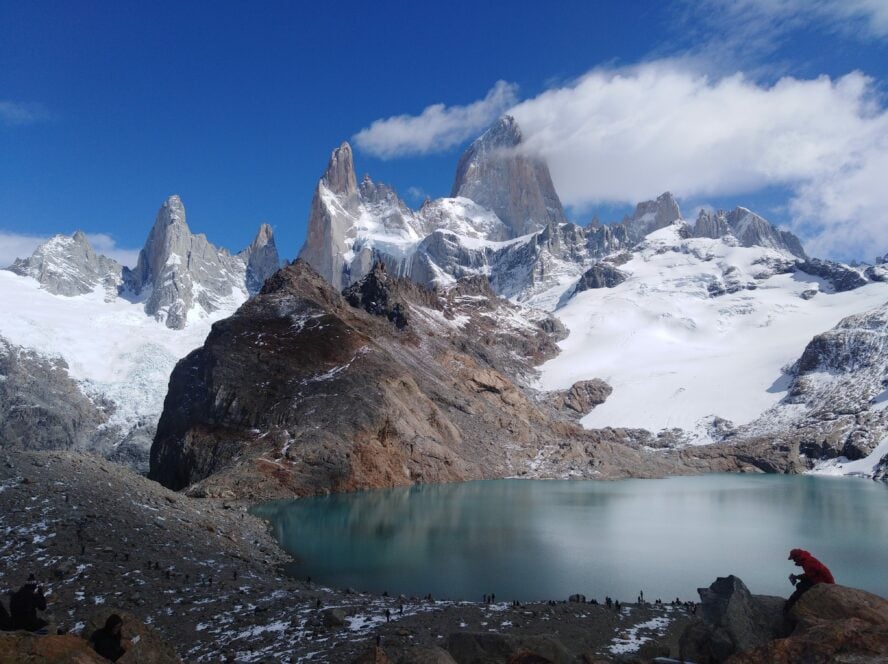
482	335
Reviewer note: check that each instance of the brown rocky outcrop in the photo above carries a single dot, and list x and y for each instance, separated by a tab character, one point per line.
27	648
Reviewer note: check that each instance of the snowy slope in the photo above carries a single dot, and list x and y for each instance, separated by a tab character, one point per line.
675	355
112	348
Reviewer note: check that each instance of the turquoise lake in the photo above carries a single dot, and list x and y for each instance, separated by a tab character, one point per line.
536	539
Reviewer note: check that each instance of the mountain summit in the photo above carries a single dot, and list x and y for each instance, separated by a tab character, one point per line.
182	273
495	174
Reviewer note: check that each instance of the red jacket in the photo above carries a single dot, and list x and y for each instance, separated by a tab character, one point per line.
815	571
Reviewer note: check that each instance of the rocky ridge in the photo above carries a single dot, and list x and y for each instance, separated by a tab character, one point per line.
504	221
835	409
305	391
69	266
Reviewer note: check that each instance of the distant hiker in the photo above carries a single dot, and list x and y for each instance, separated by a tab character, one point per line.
617	605
608	601
641	597
814	572
388	615
108	640
24	604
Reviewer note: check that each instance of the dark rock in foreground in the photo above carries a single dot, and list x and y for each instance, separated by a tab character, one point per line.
829	623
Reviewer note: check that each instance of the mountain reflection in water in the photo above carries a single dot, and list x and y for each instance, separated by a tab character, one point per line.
533	539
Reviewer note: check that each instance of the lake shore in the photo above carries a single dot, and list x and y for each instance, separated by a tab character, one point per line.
207	575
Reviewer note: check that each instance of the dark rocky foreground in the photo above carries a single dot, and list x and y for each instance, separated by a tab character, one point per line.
204	577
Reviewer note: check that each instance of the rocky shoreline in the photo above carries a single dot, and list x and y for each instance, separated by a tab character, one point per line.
207	577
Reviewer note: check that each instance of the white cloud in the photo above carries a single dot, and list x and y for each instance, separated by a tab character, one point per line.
417	193
106	245
855	18
15	245
17	114
627	135
437	128
22	245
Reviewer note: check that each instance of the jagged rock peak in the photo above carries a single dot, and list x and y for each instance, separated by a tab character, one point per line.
504	133
340	174
184	273
261	258
713	225
752	230
69	266
172	211
516	186
650	216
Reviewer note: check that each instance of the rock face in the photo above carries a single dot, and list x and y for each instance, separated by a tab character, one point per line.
178	271
600	275
42	408
69	266
840	277
516	187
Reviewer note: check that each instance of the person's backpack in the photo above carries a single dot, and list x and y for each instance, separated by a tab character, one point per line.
5	619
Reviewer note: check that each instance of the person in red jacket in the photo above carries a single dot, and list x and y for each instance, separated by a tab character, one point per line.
814	572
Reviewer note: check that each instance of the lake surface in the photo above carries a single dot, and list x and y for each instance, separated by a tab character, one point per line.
536	539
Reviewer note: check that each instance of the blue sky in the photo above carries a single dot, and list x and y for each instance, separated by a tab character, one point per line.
106	108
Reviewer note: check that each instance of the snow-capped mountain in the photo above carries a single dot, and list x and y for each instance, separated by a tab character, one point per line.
69	266
115	333
695	333
694	325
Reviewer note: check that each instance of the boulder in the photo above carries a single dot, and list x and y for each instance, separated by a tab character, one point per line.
27	648
146	645
831	602
731	620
